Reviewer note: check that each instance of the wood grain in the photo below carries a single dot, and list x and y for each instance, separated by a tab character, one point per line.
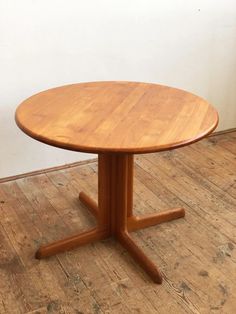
196	255
114	214
124	117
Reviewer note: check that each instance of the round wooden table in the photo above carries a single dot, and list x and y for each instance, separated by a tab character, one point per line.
116	120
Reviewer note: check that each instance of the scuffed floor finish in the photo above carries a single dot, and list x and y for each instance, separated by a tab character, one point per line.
197	254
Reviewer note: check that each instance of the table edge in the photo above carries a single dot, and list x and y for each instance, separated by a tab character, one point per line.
101	150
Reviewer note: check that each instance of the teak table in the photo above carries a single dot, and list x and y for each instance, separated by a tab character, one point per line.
116	120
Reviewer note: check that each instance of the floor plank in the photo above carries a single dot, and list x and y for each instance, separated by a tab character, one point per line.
197	254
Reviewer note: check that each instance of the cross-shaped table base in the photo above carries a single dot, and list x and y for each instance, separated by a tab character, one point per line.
114	213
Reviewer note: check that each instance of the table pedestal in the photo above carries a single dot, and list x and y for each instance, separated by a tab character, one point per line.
114	213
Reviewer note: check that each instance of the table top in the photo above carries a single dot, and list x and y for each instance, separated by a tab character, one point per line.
124	117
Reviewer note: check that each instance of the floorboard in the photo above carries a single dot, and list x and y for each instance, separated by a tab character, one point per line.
197	254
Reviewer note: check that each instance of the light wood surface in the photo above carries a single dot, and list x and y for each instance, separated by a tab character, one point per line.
114	213
116	117
116	120
196	255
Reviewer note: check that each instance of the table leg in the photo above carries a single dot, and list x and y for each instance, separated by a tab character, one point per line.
89	203
120	202
92	205
137	222
114	213
71	242
130	162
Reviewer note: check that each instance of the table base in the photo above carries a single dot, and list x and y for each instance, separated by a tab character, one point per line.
114	213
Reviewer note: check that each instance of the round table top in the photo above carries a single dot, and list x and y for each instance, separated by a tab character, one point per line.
121	117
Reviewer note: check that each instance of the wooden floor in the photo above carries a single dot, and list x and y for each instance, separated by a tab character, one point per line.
197	254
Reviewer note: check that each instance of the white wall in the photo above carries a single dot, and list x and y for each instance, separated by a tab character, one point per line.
187	44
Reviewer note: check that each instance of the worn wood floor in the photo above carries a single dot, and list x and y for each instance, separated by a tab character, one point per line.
197	254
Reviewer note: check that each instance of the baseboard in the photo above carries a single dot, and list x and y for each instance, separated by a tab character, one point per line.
41	171
222	132
79	163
